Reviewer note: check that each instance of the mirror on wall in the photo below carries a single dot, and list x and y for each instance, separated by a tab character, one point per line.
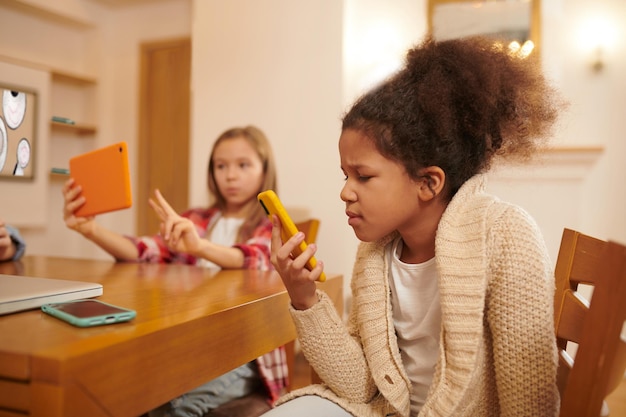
515	22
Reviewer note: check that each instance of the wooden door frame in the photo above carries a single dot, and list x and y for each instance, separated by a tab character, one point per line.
144	212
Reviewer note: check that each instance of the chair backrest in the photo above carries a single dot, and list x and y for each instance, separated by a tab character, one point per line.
310	228
600	356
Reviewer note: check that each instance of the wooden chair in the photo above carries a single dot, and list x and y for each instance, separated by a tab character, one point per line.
600	358
310	228
255	404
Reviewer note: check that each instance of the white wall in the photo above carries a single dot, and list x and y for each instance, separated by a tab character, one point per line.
287	66
597	111
583	191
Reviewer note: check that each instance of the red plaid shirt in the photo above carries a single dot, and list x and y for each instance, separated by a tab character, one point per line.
256	250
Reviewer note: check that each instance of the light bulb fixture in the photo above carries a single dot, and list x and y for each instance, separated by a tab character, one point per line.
596	37
597	63
521	51
526	49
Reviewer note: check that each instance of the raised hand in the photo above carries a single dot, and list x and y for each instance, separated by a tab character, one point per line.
179	233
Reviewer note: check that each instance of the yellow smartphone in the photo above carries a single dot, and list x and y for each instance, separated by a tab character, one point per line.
272	205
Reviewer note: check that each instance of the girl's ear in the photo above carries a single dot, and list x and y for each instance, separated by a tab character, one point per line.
433	180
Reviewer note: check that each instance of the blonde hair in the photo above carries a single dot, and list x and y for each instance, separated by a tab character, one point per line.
259	142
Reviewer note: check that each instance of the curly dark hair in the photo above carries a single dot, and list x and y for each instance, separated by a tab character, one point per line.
456	104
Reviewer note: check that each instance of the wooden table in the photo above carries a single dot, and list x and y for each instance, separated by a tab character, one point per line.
192	325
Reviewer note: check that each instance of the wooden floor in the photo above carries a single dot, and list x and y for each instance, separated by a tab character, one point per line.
616	401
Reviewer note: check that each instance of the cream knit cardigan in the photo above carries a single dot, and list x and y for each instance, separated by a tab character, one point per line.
497	353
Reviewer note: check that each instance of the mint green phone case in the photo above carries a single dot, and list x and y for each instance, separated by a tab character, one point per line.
88	312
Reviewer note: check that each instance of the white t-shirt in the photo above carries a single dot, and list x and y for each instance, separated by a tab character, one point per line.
224	233
416	318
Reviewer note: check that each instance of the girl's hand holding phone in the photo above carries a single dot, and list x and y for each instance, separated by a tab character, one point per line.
298	280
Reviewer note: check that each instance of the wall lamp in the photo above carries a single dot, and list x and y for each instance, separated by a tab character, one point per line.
596	39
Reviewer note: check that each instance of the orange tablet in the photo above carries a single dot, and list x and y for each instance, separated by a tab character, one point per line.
104	177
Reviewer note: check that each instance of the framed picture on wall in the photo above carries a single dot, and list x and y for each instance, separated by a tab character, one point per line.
18	115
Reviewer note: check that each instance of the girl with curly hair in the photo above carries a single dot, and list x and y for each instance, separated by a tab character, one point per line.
452	308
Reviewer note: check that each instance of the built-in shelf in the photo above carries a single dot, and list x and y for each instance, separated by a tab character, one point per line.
79	129
58	74
65	76
62	77
76	15
59	177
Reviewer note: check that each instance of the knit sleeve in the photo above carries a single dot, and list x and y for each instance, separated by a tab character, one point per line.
333	353
519	312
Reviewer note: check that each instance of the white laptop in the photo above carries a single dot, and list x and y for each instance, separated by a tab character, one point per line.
19	293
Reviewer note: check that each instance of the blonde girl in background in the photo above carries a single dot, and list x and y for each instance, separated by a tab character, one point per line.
233	233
